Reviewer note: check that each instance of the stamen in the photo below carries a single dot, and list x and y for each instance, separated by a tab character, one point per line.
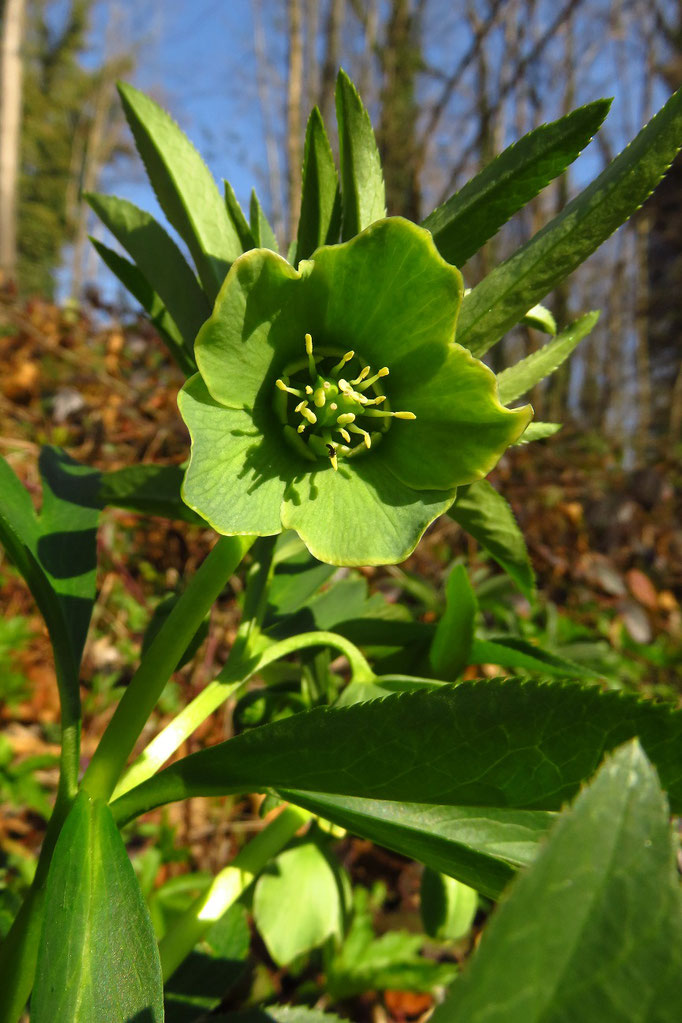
308	389
332	457
361	376
309	352
301	427
339	366
383	372
365	436
345	419
346	389
376	401
319	397
301	405
375	412
290	390
333	406
345	434
309	415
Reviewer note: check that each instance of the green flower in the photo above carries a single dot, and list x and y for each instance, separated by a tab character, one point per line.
332	399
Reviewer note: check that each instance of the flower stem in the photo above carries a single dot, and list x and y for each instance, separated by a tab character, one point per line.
227	887
233	676
159	663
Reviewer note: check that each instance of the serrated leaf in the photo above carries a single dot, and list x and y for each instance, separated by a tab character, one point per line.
147	489
514	382
132	278
488	743
480	846
474	214
263	235
158	259
540	318
538	431
487	516
98	961
362	181
320	219
505	295
451	645
56	554
512	652
185	188
239	221
593	931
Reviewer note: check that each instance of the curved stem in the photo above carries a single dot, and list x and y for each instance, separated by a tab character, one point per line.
159	663
227	887
230	680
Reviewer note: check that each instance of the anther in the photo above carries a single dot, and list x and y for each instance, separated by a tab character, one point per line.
346	389
309	415
289	390
308	389
396	415
365	436
301	405
319	397
339	366
383	372
361	376
345	419
376	401
309	352
345	434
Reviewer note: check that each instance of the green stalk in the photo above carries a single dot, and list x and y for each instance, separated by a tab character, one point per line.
227	887
231	679
159	663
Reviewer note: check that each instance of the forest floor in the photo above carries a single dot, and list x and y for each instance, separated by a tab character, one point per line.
606	545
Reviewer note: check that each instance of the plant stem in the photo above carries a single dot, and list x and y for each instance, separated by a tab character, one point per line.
227	887
159	663
231	679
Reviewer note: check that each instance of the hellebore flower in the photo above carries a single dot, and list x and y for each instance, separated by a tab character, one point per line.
332	399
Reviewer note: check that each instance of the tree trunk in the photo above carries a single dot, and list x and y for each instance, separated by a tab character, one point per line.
11	69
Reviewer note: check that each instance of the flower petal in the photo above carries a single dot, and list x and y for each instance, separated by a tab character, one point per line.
461	429
253	316
384	293
360	515
239	465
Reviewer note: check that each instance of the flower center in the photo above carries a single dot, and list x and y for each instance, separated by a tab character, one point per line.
326	415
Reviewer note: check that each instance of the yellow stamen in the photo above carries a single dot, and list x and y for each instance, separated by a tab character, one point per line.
396	415
365	436
309	415
319	397
345	434
383	372
346	389
301	405
345	419
309	352
289	390
376	401
339	366
361	376
308	389
301	427
333	406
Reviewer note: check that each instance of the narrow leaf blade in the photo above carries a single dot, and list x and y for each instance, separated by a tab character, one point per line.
362	181
319	221
512	288
263	235
239	221
98	959
474	214
147	489
594	930
451	646
185	188
514	382
487	516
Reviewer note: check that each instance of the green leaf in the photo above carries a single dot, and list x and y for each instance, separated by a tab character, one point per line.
480	846
239	221
158	259
540	318
279	1014
56	554
139	287
448	907
518	379
538	431
184	187
98	959
263	235
362	181
506	294
451	646
147	489
297	903
319	221
593	931
474	214
486	516
487	743
513	652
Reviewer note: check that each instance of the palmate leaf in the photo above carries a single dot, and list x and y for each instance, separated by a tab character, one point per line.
514	382
139	287
98	961
159	260
362	181
474	214
593	931
512	288
185	188
487	516
320	218
56	554
522	745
